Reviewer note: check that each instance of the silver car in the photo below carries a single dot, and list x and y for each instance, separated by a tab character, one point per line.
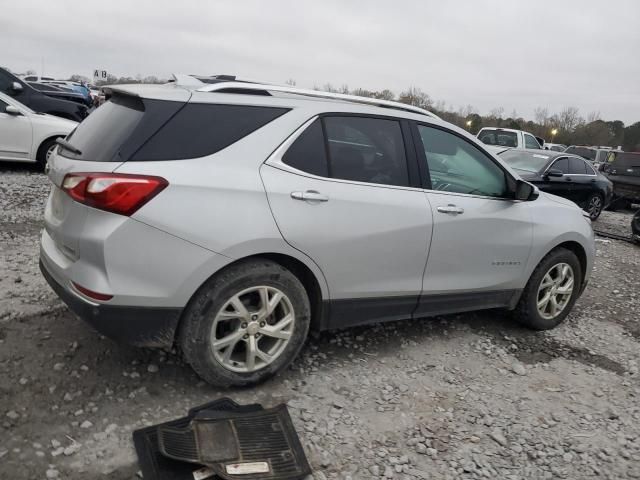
230	218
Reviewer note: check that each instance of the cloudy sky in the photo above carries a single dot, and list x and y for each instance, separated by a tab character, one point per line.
486	53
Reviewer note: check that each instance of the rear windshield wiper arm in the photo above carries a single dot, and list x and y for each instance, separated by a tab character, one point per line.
68	146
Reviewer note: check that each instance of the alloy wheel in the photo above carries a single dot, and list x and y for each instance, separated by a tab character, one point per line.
555	291
252	329
595	207
50	152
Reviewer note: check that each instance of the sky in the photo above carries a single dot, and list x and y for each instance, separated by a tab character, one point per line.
514	54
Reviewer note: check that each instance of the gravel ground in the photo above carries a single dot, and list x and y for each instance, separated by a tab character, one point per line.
467	396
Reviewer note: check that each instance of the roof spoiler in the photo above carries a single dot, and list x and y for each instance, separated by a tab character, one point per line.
182	80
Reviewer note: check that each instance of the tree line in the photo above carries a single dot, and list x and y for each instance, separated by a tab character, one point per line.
568	126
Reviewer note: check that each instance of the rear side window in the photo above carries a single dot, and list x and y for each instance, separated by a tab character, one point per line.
577	167
366	150
198	130
308	153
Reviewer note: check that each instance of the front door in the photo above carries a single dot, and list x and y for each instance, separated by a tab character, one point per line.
340	193
481	239
15	135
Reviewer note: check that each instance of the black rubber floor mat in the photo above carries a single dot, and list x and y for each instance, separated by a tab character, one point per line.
155	466
265	444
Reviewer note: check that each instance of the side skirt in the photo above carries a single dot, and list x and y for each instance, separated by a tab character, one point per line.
351	312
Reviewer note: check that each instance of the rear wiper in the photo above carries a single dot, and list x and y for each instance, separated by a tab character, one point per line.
68	146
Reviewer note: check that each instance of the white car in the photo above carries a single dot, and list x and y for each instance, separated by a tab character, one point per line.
27	136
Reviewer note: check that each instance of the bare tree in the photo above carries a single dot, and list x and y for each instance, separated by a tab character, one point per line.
416	97
569	119
542	116
385	94
593	116
496	113
291	82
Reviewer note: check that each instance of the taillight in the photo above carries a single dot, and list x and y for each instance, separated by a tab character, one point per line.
114	192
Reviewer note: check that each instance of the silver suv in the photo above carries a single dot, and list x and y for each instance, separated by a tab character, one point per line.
230	218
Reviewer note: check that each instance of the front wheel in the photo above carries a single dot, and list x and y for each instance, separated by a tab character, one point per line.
551	292
245	324
595	204
45	151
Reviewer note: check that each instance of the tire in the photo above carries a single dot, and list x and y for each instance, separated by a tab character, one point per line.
527	312
220	302
42	155
595	205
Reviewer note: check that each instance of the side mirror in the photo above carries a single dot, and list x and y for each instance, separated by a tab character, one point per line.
525	191
11	110
554	172
16	87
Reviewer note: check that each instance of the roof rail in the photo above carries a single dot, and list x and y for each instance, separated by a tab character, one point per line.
237	87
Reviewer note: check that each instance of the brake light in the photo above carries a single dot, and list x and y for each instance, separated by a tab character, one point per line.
118	193
91	294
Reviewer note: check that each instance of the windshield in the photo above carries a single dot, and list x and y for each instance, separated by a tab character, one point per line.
529	162
499	137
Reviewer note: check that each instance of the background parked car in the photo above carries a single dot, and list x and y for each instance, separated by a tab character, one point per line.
79	88
27	136
39	101
58	92
623	169
510	138
568	176
556	147
36	78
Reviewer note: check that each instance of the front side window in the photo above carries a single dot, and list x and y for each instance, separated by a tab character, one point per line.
562	164
366	150
530	142
455	165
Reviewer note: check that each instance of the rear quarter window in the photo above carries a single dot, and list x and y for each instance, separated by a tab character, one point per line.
198	130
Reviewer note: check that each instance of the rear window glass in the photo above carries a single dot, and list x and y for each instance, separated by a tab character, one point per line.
499	137
203	129
130	128
100	136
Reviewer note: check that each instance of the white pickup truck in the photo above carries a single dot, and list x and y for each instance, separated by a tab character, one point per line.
509	138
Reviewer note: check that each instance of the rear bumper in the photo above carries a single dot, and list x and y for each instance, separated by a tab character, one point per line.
139	326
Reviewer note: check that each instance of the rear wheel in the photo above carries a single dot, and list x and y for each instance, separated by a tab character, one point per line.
245	324
595	204
551	291
45	151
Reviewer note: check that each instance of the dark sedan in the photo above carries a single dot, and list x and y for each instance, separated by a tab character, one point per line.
568	176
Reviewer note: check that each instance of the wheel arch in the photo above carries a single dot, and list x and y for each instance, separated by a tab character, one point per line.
579	252
311	278
45	140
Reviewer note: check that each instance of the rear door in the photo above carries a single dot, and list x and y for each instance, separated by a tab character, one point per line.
481	239
344	190
583	180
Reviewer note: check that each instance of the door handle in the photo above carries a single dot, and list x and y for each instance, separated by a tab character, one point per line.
310	196
451	208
